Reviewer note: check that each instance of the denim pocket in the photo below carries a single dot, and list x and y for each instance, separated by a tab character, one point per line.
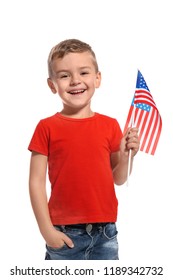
61	253
73	233
110	231
55	249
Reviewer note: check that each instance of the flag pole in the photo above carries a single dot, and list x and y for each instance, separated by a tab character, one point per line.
132	125
130	152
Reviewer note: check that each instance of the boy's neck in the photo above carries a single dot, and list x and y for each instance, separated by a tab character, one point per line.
78	114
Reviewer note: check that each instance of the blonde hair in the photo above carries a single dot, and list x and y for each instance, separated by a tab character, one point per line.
69	46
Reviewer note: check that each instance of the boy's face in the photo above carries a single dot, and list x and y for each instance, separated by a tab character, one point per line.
74	79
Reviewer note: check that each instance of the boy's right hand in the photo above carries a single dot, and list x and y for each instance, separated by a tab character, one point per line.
57	239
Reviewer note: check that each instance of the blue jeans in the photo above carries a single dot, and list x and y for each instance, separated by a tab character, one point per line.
91	242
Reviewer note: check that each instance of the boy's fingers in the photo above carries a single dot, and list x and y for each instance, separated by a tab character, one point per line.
131	131
68	241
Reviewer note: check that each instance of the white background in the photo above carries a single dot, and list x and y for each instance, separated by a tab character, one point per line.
126	36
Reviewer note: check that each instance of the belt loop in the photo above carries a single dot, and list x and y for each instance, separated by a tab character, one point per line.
63	228
101	227
89	228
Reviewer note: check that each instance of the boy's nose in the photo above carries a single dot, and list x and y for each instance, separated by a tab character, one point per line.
75	80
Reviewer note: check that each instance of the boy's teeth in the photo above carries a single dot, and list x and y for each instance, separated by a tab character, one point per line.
77	91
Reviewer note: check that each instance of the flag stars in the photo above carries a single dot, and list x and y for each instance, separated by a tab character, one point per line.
141	82
143	106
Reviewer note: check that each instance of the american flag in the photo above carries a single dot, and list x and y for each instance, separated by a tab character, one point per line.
144	114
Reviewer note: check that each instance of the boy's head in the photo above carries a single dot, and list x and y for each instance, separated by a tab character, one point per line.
69	46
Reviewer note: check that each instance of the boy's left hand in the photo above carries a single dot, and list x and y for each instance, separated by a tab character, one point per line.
130	141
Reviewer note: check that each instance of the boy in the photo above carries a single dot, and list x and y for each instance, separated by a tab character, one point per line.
86	154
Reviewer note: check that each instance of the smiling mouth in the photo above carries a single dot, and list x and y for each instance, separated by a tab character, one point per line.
75	92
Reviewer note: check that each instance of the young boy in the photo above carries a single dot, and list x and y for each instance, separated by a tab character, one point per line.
85	153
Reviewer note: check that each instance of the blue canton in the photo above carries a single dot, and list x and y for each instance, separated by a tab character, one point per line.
140	83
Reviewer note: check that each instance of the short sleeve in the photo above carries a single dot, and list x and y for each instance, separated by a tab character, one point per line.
40	139
116	137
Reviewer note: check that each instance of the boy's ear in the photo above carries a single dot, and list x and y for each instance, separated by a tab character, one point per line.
51	85
98	79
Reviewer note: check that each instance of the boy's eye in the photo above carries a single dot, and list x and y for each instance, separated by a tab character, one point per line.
63	76
84	73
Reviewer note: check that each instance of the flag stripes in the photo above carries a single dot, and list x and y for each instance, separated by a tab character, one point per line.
144	114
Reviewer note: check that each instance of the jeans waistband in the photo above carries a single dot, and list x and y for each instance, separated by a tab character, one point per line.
87	225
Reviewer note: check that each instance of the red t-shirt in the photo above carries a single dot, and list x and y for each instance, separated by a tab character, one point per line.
78	151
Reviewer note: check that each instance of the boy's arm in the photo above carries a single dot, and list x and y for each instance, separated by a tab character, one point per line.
37	189
120	159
